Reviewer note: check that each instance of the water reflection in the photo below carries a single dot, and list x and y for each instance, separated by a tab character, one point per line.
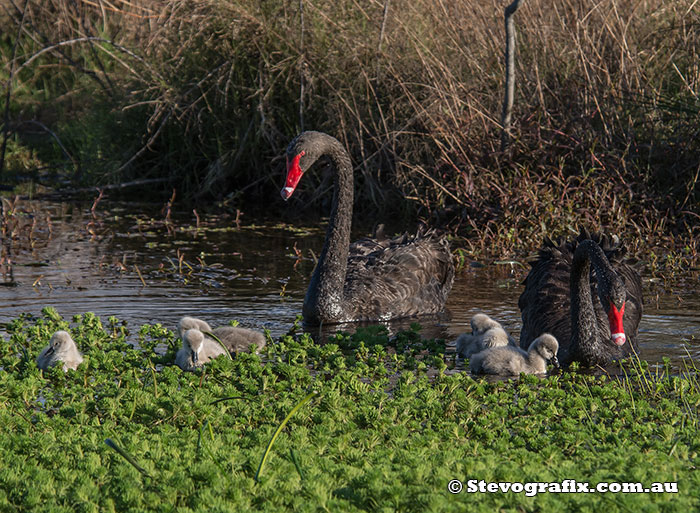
83	260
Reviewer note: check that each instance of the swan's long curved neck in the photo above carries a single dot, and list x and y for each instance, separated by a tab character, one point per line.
584	333
324	297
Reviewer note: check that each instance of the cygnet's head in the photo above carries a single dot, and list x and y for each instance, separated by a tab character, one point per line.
60	341
546	346
194	339
481	323
190	323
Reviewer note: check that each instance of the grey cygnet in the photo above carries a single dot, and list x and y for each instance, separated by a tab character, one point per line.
510	360
61	348
235	339
197	350
486	332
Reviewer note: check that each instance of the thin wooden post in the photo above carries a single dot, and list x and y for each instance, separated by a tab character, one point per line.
510	73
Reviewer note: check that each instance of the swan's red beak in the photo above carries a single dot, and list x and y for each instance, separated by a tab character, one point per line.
617	330
294	173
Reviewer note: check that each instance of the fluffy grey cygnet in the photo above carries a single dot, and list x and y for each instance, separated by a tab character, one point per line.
189	323
481	323
510	360
62	349
486	332
197	350
238	339
234	338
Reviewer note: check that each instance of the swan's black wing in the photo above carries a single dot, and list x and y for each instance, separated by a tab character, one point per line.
545	304
401	277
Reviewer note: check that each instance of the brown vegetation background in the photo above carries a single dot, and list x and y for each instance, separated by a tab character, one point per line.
206	95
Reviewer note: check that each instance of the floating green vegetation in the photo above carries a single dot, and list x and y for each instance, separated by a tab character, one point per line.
372	423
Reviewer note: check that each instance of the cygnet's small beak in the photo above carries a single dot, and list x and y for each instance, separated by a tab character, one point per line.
555	361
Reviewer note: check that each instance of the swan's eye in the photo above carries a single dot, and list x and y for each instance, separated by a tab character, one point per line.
298	157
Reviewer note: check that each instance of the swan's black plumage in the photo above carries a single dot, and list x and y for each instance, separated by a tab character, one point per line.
374	278
579	321
405	276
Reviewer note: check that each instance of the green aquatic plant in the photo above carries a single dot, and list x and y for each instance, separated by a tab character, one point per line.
387	431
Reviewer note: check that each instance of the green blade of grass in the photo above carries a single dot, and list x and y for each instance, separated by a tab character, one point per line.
293	455
279	429
128	457
210	334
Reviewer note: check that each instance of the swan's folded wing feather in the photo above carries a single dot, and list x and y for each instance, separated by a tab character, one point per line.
545	303
400	277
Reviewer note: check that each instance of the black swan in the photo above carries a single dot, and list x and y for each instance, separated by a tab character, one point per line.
486	332
235	339
510	360
558	299
369	280
61	349
197	350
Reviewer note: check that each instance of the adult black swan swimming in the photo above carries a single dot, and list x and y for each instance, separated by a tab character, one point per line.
369	280
558	299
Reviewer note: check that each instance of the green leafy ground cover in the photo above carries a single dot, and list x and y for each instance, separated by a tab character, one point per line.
388	427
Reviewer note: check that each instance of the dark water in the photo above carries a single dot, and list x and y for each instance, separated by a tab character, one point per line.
75	260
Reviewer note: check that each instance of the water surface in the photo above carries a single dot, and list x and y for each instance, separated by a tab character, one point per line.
135	262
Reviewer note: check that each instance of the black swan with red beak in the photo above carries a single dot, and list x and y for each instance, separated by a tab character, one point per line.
371	279
558	299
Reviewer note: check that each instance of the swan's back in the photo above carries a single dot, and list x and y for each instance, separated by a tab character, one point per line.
405	276
188	323
545	303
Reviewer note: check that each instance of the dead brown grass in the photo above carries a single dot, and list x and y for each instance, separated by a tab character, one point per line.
605	118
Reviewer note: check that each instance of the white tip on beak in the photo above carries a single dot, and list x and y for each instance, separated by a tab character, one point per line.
619	339
287	192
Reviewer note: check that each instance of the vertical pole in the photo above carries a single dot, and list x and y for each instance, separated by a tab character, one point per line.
510	73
